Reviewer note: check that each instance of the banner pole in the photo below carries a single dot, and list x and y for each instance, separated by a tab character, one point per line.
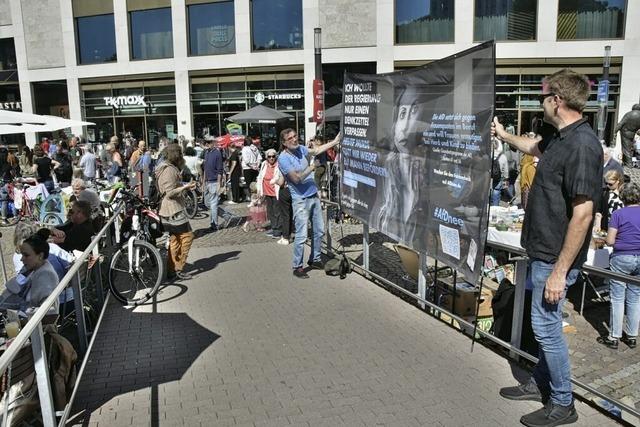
475	322
422	279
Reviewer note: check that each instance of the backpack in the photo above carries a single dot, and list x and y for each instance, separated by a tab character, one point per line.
155	197
338	267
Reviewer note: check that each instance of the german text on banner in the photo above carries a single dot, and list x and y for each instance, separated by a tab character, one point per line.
416	155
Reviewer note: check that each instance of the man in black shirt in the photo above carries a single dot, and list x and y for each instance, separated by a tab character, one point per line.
77	233
556	234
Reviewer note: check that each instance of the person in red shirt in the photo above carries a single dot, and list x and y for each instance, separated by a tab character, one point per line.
268	188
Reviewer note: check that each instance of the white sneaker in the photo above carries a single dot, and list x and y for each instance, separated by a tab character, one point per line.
231	202
283	241
250	205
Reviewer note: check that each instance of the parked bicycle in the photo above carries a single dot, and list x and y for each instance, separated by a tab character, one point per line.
27	201
136	269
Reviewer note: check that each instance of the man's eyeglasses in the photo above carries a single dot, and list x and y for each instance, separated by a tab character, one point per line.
271	157
544	96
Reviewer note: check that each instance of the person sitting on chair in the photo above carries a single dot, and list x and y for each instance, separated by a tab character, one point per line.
77	232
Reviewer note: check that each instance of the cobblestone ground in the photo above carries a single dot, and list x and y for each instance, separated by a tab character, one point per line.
245	344
611	372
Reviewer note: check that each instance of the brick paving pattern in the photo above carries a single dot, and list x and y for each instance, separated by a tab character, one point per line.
244	343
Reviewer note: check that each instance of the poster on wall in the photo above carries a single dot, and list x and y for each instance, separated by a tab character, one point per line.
416	155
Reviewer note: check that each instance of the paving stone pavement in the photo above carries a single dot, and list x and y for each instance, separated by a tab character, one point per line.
613	372
244	343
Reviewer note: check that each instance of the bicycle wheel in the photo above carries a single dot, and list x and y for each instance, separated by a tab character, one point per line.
191	203
135	284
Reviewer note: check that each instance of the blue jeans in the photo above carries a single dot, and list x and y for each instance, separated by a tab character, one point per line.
498	191
213	198
303	210
624	294
552	374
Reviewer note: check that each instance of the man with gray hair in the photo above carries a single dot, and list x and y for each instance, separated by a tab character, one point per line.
81	192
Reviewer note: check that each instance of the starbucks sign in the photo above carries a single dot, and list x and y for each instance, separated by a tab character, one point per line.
261	97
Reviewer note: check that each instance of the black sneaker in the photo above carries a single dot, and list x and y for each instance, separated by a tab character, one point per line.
631	342
528	391
300	273
609	342
551	415
316	265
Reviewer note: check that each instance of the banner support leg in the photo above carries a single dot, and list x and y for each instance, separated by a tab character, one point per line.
422	279
365	246
518	305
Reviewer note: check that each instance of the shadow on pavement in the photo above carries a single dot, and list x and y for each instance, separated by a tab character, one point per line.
206	264
139	351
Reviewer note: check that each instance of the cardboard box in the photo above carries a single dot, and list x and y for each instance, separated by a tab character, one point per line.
466	297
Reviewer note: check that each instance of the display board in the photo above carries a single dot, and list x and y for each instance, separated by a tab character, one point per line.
416	155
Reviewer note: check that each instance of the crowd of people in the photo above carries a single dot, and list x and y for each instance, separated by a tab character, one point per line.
568	183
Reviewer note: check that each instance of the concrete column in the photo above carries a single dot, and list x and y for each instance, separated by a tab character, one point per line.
183	104
75	110
242	11
21	58
121	24
547	20
68	35
463	14
629	78
70	59
385	37
179	27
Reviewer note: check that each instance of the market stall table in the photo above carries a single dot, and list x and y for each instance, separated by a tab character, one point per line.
595	257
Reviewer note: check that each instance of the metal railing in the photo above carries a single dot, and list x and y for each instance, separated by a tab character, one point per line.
33	331
518	312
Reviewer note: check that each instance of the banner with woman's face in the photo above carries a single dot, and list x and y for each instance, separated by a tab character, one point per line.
416	155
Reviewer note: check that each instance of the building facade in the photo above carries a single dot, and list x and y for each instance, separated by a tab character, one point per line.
181	67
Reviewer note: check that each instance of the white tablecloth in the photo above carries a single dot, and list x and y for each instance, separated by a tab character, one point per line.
595	257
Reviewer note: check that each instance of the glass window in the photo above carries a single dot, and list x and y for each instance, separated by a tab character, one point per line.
505	20
427	21
151	34
7	55
96	39
276	24
211	28
593	19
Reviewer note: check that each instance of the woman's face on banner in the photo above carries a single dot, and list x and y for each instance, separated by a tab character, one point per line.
405	133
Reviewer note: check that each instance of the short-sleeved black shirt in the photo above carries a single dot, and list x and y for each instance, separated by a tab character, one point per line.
571	166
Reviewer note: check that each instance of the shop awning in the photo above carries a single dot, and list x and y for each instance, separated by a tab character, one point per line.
259	114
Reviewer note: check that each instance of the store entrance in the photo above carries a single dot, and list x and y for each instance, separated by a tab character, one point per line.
133	125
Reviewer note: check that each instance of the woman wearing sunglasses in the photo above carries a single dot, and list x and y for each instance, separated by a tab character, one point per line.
268	186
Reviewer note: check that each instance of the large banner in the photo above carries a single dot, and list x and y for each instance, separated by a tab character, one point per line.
416	155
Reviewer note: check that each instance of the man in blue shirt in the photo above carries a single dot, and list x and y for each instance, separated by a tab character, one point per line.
213	171
298	172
